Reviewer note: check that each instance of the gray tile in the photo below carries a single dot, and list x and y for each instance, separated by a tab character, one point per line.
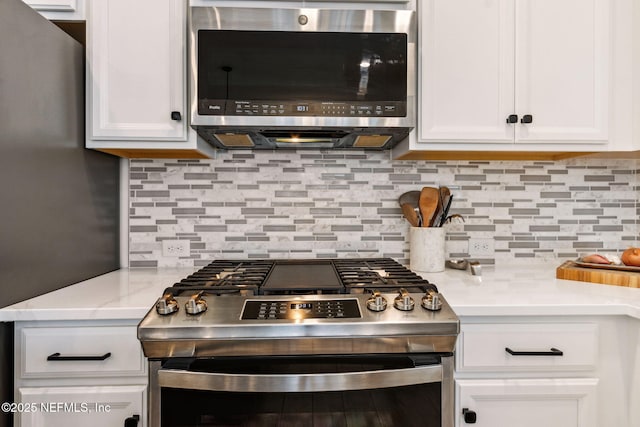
152	193
257	211
587	211
544	228
188	211
347	228
209	228
200	175
278	228
143	229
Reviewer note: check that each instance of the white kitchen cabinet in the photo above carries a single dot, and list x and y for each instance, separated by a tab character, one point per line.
79	373
136	80
528	372
559	65
105	406
527	402
60	10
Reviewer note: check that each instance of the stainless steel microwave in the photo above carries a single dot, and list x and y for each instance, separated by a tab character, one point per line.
302	78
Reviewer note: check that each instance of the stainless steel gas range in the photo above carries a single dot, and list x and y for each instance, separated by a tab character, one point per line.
301	342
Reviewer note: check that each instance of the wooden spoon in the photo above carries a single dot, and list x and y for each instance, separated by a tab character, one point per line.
429	199
410	214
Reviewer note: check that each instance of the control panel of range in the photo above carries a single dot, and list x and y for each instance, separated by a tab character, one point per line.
298	309
221	107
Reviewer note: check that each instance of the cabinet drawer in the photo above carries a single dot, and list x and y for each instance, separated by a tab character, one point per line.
96	351
535	347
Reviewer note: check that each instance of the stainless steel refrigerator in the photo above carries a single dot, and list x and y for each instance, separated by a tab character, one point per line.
58	201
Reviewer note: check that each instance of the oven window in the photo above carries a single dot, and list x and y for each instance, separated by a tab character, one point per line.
294	66
416	405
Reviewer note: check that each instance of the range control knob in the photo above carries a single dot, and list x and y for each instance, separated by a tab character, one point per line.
404	301
431	301
166	305
196	304
377	302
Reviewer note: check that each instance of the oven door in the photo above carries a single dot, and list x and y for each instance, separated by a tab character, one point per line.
369	390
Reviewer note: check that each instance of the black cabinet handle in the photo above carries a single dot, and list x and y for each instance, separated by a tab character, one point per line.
513	118
58	357
175	115
132	421
551	352
469	416
527	118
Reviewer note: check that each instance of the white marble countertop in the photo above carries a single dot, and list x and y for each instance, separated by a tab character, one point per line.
121	294
504	290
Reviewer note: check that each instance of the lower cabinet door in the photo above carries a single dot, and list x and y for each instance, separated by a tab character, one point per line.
100	406
527	403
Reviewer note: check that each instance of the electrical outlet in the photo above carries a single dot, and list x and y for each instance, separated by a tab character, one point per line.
176	248
481	246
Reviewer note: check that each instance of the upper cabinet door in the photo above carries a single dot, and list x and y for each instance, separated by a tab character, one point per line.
466	70
562	70
136	61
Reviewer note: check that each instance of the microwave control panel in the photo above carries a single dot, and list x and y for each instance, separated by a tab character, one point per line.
217	107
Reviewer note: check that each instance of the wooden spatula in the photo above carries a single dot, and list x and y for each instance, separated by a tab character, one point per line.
429	198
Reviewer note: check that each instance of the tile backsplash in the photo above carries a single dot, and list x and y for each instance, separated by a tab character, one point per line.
316	204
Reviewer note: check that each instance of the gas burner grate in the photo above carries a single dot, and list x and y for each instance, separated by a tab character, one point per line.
225	276
262	277
383	274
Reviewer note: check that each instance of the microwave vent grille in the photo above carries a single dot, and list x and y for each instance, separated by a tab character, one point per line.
232	140
371	141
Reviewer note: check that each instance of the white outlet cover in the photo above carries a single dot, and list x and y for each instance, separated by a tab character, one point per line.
176	248
481	246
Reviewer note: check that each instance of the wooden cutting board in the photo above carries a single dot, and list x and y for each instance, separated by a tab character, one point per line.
570	271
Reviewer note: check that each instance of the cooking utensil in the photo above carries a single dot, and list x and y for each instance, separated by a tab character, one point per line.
452	216
417	211
429	199
410	197
445	212
410	214
444	194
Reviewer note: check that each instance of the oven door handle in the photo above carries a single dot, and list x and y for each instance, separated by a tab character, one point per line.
291	383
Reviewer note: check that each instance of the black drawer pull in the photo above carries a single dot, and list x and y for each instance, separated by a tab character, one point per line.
132	421
551	352
513	118
527	118
470	417
58	357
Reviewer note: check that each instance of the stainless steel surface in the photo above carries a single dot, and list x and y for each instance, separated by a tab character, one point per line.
404	301
299	346
245	346
220	331
159	377
319	20
457	264
155	395
447	407
476	268
377	302
431	301
60	201
196	305
254	383
166	305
